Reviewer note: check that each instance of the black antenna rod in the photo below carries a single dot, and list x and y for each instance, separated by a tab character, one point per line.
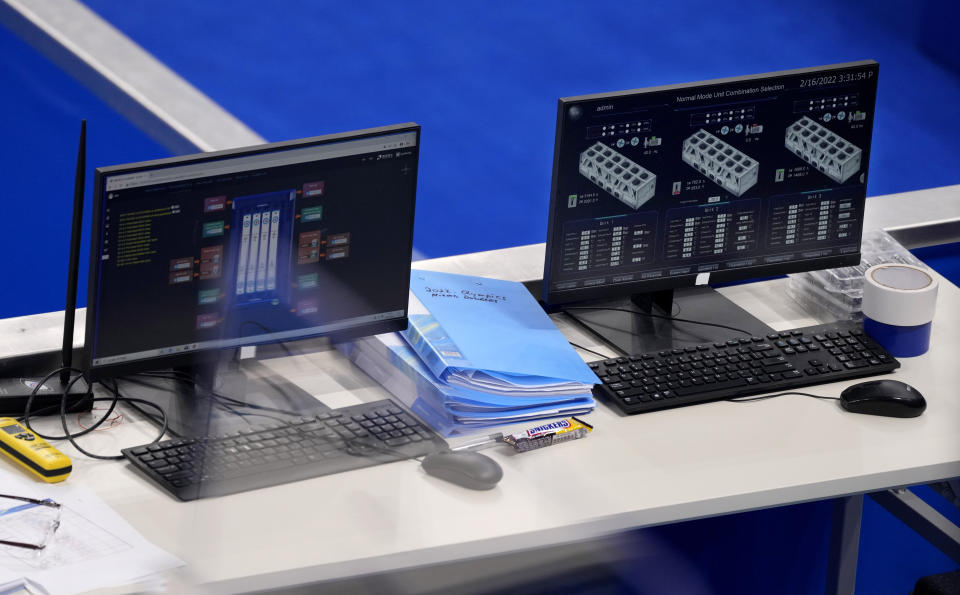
70	310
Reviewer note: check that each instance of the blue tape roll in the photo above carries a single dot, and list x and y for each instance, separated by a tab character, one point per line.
900	341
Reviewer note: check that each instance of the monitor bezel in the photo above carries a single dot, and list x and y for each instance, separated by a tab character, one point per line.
211	355
560	297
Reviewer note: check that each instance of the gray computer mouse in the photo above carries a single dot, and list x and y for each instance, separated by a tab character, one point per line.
464	468
883	397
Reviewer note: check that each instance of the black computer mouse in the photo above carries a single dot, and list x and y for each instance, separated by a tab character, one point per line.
464	468
883	397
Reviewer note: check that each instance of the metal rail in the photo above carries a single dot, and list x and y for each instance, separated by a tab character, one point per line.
134	83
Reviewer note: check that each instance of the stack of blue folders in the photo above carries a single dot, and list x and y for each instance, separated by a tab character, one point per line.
478	352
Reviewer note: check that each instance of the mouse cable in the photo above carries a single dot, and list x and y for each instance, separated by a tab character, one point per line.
71	436
765	397
663	317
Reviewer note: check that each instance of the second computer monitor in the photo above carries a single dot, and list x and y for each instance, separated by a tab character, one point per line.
714	181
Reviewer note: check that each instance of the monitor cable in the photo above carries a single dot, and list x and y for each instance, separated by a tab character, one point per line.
662	317
588	350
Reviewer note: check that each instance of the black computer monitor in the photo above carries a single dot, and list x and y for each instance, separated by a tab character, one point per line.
193	257
658	192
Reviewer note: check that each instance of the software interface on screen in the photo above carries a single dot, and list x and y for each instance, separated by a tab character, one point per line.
655	187
266	247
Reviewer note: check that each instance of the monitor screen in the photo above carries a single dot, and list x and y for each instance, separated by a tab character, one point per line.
262	244
721	180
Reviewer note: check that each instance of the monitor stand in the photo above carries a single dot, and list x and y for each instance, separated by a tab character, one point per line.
221	397
637	333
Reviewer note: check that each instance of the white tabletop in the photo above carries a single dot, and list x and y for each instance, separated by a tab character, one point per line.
634	471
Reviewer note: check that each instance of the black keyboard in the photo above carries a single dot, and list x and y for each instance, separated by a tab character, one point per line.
739	367
338	440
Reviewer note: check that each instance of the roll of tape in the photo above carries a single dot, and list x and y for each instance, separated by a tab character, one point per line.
899	294
899	301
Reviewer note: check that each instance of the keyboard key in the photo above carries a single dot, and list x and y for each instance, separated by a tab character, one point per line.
691	390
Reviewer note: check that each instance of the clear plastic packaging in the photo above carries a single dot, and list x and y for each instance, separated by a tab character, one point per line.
824	304
836	294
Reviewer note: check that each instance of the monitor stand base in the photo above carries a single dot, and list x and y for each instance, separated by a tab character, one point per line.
637	333
217	399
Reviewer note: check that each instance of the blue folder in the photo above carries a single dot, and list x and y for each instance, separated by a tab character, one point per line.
461	324
450	410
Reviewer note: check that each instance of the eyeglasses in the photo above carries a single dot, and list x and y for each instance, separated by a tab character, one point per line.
30	525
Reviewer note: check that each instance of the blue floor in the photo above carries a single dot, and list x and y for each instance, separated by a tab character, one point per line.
483	78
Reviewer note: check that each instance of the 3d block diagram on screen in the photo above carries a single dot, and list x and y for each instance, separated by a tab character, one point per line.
721	163
621	177
824	150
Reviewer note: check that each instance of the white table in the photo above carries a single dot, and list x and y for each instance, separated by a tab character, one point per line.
636	471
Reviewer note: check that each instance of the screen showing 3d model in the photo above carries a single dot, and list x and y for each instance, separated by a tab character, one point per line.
305	240
728	178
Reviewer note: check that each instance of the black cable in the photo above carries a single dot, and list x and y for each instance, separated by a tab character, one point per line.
183	377
25	418
588	350
116	397
661	316
62	406
765	397
71	436
231	405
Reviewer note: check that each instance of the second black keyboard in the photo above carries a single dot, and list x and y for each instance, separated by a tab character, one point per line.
740	366
339	440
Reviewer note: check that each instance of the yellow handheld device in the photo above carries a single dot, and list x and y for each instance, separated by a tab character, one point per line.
32	452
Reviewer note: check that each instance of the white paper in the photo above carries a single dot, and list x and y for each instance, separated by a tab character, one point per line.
94	547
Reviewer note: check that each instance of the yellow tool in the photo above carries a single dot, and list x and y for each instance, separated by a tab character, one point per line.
32	452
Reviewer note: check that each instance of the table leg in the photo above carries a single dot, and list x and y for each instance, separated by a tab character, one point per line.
922	518
844	545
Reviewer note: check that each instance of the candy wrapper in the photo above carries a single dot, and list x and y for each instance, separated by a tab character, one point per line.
548	434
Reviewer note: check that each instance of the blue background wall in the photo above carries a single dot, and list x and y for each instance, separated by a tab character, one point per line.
483	79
